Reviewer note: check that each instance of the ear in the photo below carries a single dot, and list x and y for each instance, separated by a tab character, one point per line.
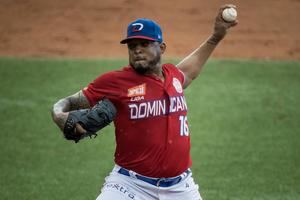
162	47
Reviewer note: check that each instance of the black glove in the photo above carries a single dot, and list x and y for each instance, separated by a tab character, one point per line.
92	120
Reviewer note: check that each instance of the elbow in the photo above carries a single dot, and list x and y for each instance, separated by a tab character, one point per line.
56	110
53	114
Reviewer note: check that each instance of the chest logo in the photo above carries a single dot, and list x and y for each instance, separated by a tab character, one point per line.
177	85
137	92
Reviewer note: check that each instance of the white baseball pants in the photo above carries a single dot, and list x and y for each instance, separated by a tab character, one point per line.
121	187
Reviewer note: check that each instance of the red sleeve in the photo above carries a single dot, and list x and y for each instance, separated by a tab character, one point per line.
101	87
176	72
181	75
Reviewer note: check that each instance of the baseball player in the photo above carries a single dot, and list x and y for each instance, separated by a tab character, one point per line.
152	156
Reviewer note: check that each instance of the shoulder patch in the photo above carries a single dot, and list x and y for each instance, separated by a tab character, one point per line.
177	85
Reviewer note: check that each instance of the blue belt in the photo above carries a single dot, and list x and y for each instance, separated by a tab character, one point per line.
159	182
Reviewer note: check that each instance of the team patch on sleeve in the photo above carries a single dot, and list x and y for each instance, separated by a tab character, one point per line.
177	85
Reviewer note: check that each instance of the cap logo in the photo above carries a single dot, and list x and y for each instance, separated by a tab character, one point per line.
136	27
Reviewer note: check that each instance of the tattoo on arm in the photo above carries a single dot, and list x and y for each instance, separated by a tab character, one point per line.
60	121
78	101
73	102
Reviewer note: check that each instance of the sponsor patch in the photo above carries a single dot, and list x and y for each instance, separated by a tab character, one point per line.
139	90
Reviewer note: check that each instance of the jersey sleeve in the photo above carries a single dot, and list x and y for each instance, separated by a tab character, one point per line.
102	86
182	76
176	72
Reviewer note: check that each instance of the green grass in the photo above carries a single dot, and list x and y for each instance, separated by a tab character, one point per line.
244	118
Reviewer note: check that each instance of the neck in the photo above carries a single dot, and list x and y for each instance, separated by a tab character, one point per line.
156	71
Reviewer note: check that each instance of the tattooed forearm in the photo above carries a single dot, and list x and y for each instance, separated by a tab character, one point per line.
78	101
63	105
59	119
73	102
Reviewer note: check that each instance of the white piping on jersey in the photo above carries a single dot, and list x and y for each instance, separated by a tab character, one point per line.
184	78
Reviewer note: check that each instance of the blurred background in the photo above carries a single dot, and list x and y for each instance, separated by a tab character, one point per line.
267	29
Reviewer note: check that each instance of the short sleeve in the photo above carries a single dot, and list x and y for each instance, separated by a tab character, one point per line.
176	72
101	87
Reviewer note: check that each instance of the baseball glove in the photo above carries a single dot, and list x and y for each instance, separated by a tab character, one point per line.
92	120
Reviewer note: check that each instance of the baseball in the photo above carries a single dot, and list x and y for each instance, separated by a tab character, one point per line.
229	14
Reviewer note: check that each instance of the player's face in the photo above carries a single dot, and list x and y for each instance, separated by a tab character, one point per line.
145	55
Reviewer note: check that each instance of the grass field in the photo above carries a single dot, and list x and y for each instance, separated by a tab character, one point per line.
244	118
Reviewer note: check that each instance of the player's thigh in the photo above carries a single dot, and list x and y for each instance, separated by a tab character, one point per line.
187	190
112	195
109	195
117	191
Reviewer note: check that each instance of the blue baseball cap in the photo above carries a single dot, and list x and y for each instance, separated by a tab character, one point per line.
143	29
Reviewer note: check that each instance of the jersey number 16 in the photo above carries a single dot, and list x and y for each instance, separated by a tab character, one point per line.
184	128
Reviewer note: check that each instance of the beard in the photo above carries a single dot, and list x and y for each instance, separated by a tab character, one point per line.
147	66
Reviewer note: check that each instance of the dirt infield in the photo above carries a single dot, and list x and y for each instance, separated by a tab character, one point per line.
267	29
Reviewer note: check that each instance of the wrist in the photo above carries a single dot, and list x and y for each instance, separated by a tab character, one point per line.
214	39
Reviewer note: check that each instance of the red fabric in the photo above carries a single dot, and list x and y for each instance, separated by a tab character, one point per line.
147	128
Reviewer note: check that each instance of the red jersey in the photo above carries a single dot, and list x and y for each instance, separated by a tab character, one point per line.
151	130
